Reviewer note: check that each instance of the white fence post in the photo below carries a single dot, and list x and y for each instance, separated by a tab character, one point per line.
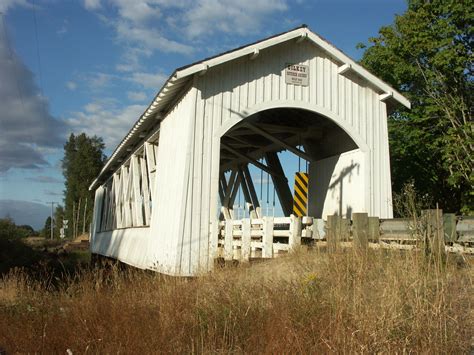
228	238
267	238
245	246
294	239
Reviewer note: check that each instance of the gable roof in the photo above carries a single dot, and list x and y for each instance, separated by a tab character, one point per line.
181	78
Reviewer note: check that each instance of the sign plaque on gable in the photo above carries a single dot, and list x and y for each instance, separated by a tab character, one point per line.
297	74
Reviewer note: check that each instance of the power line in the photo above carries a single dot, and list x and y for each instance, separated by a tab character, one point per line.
10	52
38	51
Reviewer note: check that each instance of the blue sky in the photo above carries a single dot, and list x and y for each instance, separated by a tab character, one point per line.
94	65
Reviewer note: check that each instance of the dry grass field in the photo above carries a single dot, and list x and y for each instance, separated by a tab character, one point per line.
306	302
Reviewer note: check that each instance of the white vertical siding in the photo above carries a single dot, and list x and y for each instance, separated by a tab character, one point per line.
171	184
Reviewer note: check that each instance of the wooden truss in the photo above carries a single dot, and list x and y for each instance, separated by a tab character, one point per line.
127	199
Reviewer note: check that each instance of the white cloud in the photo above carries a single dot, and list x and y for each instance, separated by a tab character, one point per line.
148	38
6	5
106	120
147	26
138	11
92	4
97	81
136	95
242	17
149	80
71	85
92	107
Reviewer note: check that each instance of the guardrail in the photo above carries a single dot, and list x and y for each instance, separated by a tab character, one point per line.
268	237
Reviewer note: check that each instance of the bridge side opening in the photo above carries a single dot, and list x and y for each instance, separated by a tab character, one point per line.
127	196
284	161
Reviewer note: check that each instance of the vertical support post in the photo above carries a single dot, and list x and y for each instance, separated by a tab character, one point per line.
294	239
151	165
360	231
374	229
332	236
267	239
246	238
434	234
118	192
228	240
137	195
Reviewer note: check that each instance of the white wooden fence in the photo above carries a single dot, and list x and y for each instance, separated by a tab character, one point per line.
269	237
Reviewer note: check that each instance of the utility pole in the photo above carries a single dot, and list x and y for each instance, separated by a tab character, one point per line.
52	223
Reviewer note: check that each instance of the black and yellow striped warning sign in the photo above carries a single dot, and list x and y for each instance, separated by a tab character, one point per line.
300	200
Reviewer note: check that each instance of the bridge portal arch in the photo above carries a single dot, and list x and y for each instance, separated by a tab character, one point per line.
266	137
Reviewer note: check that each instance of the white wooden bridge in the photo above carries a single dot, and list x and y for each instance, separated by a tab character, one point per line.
174	178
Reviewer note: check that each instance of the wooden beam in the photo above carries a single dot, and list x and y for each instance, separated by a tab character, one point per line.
126	197
255	54
151	165
118	191
239	132
221	192
251	187
277	140
229	188
274	128
344	69
250	160
245	142
138	200
234	192
247	196
384	97
258	153
281	184
146	190
244	186
302	37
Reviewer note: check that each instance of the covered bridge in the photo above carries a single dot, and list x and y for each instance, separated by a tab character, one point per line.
166	194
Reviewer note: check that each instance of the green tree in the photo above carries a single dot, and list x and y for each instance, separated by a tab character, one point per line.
58	220
427	54
83	160
8	228
46	231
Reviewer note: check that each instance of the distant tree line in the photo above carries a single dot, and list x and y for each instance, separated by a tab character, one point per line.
82	162
427	54
9	230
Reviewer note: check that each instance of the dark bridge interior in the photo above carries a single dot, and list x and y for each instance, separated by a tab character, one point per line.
257	140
